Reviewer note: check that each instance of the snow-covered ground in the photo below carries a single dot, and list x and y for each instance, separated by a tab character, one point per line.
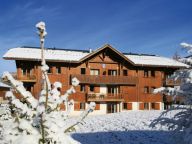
123	128
132	127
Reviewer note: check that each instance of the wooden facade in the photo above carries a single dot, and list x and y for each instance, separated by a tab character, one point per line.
106	77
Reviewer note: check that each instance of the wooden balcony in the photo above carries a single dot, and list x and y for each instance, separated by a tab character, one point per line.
97	79
26	78
104	97
171	82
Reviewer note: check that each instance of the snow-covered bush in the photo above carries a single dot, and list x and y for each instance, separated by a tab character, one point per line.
5	112
182	121
40	121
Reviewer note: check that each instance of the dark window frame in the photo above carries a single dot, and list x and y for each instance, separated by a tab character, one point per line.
146	73
82	88
146	106
83	71
58	70
110	72
146	89
153	73
91	88
125	72
82	106
153	106
125	106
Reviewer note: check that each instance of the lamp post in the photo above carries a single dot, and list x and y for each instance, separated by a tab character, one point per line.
42	33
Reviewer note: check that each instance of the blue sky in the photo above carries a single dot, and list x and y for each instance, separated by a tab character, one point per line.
137	26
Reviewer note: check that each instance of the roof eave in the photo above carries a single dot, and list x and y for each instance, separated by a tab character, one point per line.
167	66
31	59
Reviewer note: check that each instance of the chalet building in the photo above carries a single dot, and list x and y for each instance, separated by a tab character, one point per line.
115	81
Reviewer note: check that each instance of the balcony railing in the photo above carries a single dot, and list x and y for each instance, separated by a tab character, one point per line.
97	79
104	97
171	82
26	78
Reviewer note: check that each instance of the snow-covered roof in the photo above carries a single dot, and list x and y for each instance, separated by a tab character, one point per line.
50	54
4	85
66	55
152	60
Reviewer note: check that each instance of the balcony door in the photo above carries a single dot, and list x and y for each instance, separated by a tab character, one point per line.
111	107
113	90
26	71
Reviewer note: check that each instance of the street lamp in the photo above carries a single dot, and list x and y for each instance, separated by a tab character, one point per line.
42	33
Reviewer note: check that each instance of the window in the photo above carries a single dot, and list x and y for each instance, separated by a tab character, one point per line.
113	90
104	72
94	72
125	106
152	89
83	71
27	71
152	105
125	73
146	106
82	88
92	88
24	71
82	106
146	89
153	73
146	73
58	70
112	72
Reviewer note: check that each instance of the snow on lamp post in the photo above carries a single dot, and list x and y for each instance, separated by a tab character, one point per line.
42	33
46	84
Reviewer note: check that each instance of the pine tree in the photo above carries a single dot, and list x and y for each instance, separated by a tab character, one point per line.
182	121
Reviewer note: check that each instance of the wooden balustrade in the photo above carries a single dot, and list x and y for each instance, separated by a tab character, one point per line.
98	79
104	97
171	82
26	78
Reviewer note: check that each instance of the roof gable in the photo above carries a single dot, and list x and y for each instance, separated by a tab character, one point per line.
100	50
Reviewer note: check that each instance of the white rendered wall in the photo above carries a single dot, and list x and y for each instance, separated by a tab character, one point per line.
161	106
135	105
103	110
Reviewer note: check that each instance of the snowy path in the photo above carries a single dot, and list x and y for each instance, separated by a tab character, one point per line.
123	128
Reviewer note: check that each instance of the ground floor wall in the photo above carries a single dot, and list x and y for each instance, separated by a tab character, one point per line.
108	107
143	106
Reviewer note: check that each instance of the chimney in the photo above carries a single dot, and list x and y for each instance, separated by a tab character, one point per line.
90	50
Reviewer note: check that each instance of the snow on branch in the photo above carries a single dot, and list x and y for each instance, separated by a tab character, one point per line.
81	118
182	120
20	88
186	45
